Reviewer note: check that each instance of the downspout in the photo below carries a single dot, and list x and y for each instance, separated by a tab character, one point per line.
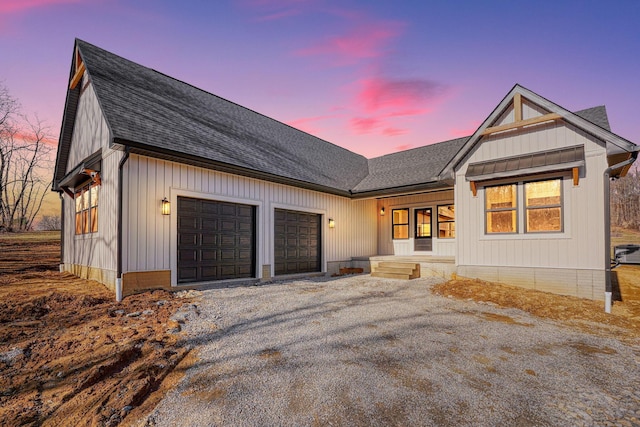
607	228
61	266
120	197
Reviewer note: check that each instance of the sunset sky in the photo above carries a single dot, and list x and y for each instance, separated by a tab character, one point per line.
372	76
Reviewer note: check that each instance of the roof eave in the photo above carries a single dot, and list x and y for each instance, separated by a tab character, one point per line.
160	153
432	185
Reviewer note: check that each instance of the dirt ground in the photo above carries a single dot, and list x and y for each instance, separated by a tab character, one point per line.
69	353
588	315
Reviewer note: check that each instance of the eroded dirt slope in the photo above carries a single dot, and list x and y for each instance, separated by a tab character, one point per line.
69	353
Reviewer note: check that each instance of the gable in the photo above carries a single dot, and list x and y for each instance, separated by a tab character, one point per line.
523	111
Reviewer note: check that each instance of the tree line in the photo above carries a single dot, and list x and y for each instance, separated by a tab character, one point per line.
625	200
25	165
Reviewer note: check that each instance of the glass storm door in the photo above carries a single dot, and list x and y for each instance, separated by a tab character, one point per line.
423	237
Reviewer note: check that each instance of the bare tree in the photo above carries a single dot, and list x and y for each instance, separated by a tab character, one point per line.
24	162
625	200
50	222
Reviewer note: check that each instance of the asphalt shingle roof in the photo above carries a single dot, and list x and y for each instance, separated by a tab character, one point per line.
410	167
144	106
157	113
596	115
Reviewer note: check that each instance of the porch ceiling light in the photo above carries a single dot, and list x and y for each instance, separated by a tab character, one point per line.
166	207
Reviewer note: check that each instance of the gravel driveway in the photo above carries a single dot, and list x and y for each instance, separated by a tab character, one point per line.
366	351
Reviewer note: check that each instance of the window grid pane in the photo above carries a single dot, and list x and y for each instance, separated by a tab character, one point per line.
400	227
543	200
446	222
501	211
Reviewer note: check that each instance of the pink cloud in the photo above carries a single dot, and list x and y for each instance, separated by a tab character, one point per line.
390	131
410	94
14	6
362	125
403	147
469	130
304	123
365	42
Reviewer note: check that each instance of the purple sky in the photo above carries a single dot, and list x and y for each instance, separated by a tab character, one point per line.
374	77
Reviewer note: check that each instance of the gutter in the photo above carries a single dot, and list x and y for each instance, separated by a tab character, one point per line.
120	197
607	226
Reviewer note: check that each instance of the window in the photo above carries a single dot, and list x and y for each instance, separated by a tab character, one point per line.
543	203
446	222
501	209
400	223
87	209
423	223
543	206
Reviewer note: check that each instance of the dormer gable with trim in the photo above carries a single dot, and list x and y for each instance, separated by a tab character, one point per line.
523	112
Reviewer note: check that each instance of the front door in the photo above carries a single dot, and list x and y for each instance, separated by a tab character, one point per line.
422	237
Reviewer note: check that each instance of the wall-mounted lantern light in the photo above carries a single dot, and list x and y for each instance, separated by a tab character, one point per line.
332	223
166	207
382	211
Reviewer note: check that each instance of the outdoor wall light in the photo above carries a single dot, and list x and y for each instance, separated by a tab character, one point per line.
332	223
166	207
382	211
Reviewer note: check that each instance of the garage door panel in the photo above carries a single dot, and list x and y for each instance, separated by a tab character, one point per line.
216	240
296	242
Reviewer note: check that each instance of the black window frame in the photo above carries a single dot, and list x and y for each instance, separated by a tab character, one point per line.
450	221
416	224
394	225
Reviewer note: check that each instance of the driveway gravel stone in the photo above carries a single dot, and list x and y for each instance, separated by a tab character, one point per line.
380	352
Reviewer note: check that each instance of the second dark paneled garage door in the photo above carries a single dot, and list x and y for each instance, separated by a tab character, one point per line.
216	240
296	242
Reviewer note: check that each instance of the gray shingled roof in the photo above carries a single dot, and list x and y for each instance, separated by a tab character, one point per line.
596	115
159	115
153	110
410	167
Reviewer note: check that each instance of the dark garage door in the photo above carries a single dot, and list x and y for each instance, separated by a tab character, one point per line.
297	242
216	240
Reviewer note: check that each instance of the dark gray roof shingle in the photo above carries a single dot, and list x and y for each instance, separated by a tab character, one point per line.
146	107
596	115
410	167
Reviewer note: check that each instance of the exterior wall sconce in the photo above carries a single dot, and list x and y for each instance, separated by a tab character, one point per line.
166	207
332	223
382	211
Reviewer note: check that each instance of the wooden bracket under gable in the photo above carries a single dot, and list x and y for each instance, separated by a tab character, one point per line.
576	176
80	68
518	122
474	188
95	176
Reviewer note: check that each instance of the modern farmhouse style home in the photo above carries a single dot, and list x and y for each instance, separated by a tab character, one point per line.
166	185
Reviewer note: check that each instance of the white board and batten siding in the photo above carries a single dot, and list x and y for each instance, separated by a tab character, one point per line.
95	250
404	247
150	238
574	255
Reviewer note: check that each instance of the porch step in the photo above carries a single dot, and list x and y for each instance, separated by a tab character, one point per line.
396	270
